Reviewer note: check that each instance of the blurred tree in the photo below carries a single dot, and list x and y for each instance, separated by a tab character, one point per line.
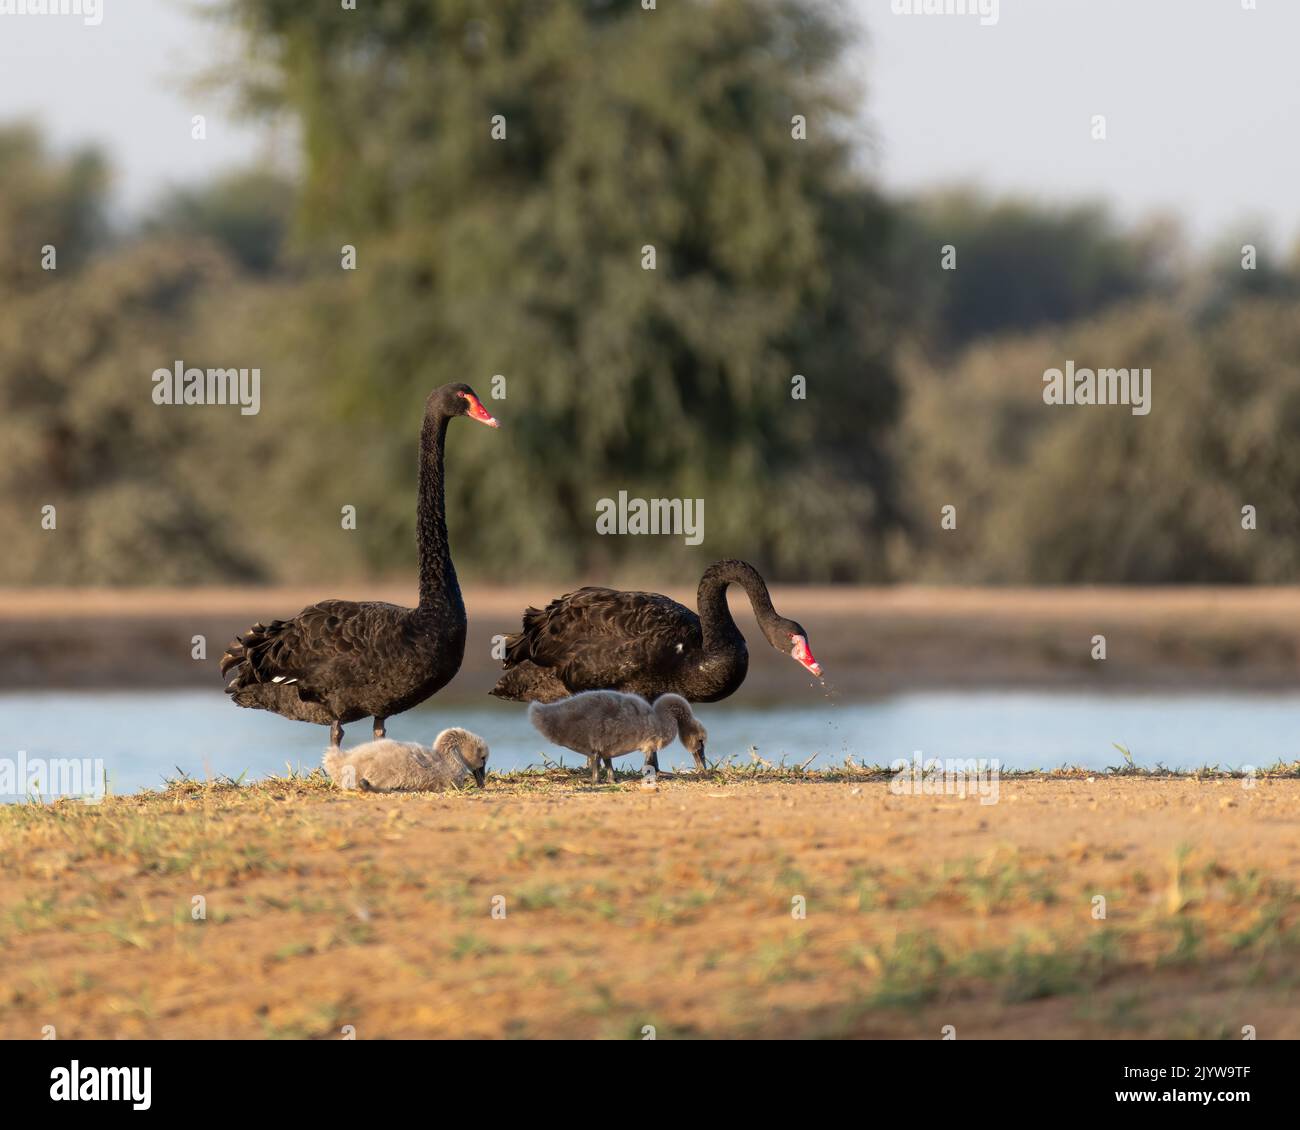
1022	264
248	213
137	488
523	256
1094	494
82	433
47	201
1224	276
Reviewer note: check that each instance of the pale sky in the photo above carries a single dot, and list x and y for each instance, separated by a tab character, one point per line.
126	85
1201	97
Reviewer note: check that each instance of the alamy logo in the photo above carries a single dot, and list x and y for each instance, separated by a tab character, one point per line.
179	385
987	10
102	1084
953	776
82	777
681	516
90	11
1103	386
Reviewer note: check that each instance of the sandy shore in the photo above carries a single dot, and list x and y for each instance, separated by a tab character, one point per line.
870	640
544	907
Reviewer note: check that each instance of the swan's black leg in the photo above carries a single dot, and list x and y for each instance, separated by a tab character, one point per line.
609	765
379	728
336	733
652	758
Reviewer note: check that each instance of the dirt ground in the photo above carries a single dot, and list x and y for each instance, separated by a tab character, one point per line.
544	907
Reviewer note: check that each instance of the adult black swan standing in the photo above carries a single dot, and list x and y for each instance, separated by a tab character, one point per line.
341	660
643	643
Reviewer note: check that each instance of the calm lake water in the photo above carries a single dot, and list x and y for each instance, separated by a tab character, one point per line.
144	737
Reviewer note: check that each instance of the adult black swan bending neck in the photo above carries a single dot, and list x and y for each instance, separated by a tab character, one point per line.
644	643
341	660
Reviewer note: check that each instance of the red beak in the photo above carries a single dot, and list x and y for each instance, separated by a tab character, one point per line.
803	656
478	412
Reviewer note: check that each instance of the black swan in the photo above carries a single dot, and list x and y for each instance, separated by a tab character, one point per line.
603	725
644	643
340	660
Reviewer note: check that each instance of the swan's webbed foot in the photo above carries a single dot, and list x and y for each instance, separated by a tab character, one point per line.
336	734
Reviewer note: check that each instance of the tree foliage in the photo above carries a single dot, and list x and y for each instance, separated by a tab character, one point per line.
523	257
1067	494
1019	264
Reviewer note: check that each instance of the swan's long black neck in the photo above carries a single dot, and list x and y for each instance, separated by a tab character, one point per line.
438	585
718	625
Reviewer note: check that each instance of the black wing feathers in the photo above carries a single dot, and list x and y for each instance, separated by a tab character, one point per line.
594	637
319	646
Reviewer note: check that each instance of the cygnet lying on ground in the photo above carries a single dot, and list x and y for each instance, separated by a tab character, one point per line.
385	766
603	725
